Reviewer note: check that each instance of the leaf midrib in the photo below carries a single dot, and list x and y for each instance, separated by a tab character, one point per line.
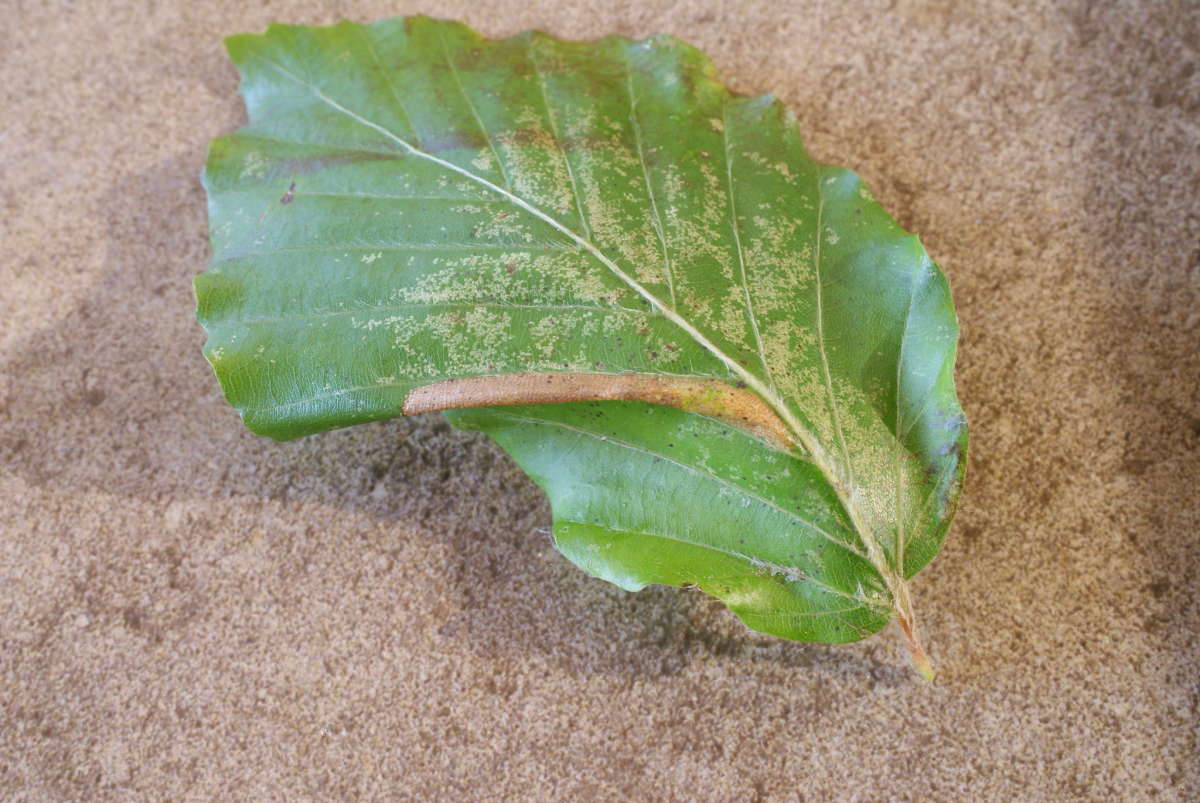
828	468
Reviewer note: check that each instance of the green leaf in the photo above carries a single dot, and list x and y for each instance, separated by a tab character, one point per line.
727	366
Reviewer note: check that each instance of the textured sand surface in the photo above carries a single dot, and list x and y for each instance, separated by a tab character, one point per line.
188	611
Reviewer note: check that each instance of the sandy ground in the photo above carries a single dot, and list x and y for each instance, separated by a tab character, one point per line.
188	611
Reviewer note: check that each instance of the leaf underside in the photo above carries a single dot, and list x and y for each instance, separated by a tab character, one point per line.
412	203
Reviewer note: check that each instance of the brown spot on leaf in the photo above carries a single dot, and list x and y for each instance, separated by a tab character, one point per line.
289	195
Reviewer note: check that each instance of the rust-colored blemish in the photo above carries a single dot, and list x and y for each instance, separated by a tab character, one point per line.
738	407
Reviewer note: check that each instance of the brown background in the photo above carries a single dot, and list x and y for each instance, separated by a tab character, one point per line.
189	611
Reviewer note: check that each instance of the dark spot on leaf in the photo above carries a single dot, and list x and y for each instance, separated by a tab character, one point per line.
740	384
510	267
289	195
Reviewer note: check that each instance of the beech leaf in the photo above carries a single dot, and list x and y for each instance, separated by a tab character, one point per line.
726	365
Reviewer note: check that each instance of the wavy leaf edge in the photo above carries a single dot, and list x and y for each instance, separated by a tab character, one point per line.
744	400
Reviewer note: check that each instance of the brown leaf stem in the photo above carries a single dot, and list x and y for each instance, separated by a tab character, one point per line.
908	624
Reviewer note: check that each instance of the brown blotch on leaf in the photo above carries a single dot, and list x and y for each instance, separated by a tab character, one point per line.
313	164
289	195
712	398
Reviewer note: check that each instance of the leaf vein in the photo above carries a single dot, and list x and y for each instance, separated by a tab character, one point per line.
395	247
733	553
578	196
820	326
451	304
260	137
737	240
483	129
387	79
807	614
656	221
378	197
